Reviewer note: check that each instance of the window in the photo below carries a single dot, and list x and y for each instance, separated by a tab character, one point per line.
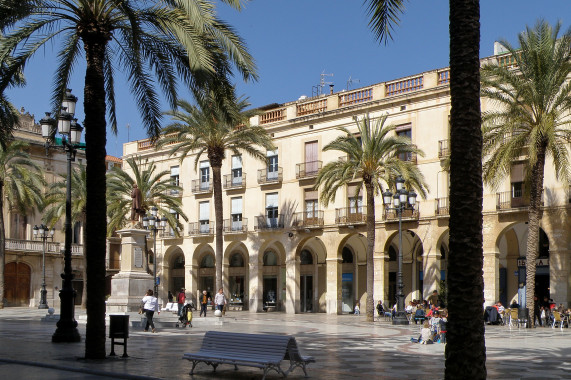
236	170
236	260
405	131
305	257
272	210
354	200
347	256
204	216
311	166
18	227
175	178
76	233
270	259
236	213
272	164
178	262
207	261
311	203
204	175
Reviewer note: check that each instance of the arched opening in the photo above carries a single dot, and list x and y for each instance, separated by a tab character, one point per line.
207	273
17	284
270	280
306	288
177	272
415	280
236	280
347	280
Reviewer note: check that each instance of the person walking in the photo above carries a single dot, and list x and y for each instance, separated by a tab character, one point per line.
150	305
180	300
203	303
170	297
220	300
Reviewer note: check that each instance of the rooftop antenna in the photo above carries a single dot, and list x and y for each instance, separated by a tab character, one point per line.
350	81
318	90
128	129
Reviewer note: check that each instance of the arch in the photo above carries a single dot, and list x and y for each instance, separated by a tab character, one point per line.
271	261
204	259
237	275
17	283
311	276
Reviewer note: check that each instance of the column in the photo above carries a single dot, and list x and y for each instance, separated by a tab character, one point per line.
333	285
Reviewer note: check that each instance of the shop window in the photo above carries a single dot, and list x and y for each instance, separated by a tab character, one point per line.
236	261
270	259
207	262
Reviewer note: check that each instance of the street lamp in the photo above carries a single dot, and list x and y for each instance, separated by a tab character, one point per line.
68	127
401	200
42	232
154	223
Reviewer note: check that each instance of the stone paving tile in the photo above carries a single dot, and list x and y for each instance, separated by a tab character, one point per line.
344	346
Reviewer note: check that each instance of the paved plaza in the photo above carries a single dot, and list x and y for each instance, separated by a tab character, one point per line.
344	346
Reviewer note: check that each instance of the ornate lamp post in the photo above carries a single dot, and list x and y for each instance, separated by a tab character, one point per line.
401	200
154	223
42	232
68	127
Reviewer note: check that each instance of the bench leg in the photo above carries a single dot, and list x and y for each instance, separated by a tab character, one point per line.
194	363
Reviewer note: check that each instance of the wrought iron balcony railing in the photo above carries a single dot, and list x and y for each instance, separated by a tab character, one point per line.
269	223
351	215
442	206
307	219
443	148
274	176
199	186
231	182
202	228
235	226
407	213
307	169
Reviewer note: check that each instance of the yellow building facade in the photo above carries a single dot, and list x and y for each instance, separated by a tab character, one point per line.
283	250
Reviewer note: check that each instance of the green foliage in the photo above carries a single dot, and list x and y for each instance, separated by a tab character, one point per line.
157	190
56	198
533	104
384	17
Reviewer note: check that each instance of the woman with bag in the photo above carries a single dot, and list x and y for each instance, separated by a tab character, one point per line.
150	305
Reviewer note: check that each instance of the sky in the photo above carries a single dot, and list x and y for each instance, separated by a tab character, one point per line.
294	42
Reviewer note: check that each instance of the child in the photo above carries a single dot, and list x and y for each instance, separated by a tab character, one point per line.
357	310
425	334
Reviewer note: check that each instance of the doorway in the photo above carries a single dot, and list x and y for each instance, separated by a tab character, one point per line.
306	294
17	284
270	292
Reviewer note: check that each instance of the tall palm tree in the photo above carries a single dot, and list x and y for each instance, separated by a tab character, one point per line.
21	187
372	160
156	191
55	203
143	37
212	129
532	120
466	349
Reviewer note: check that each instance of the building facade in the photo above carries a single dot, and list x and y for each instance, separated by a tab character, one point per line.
284	250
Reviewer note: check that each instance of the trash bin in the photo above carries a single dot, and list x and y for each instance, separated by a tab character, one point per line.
119	329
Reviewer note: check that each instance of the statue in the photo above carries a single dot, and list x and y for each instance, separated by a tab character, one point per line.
136	206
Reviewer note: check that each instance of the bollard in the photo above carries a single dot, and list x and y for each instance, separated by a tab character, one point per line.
119	329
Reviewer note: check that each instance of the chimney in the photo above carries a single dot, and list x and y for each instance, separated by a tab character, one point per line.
330	89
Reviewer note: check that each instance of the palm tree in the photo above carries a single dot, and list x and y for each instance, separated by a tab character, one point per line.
142	37
531	120
372	159
464	351
212	129
55	203
156	190
9	116
21	187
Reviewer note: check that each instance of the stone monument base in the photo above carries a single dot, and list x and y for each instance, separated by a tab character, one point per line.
127	290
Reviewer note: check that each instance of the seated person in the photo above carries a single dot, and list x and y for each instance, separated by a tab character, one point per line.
419	315
408	308
426	334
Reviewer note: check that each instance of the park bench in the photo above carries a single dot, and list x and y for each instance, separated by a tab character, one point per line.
262	351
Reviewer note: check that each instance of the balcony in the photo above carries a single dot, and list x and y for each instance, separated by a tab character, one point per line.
442	206
506	200
175	192
307	169
235	227
229	182
264	223
37	246
443	148
199	187
350	216
266	177
408	156
307	220
392	215
201	228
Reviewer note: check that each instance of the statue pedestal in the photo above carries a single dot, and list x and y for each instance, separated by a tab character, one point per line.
129	286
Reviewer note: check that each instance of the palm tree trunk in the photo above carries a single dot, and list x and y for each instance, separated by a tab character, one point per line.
2	248
218	224
535	196
465	349
95	225
370	307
